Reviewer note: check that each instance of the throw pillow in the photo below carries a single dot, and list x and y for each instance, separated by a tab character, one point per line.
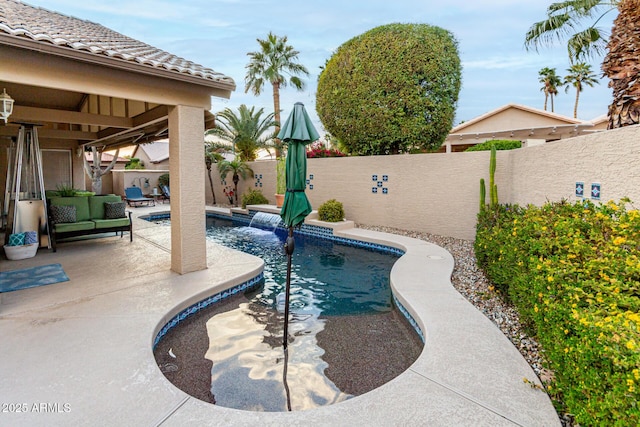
16	239
61	214
113	210
30	237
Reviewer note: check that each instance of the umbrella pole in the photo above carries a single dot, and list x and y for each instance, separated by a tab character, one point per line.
288	248
284	378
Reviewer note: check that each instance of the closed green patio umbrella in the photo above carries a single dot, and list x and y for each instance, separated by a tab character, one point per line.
298	131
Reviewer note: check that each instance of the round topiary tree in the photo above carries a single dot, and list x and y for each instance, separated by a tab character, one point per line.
391	90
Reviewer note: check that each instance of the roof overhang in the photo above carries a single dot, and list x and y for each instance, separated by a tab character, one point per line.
545	132
78	55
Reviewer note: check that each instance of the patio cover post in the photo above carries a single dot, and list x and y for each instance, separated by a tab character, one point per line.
187	182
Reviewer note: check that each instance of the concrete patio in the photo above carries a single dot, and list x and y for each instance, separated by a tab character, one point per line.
80	352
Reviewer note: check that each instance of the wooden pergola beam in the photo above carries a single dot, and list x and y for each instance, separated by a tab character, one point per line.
35	114
52	134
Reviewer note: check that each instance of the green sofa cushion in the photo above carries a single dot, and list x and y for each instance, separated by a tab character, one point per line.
75	226
108	223
96	204
80	202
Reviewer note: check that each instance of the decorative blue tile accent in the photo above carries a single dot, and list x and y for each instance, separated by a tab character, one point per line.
595	191
409	318
193	309
580	189
374	189
311	176
380	183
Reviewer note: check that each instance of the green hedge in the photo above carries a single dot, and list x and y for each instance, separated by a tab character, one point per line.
573	272
501	144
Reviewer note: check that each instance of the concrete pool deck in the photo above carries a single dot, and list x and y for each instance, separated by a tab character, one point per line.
80	352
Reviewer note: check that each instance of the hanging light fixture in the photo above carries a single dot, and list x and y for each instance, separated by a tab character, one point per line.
6	105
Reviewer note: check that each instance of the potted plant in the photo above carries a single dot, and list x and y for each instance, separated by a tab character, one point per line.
281	181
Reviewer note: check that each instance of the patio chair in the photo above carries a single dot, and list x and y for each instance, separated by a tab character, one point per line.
135	198
165	192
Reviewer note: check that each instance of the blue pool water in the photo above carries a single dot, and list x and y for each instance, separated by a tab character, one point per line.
232	354
337	279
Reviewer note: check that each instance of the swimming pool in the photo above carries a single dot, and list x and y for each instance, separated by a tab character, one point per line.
346	336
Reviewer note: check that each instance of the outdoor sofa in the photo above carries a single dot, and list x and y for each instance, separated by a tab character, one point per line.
86	215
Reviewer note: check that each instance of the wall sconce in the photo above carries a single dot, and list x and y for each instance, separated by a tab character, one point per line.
6	105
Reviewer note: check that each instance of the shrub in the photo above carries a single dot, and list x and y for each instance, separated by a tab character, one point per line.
318	150
253	197
323	152
573	272
391	90
134	163
331	211
500	144
163	179
63	190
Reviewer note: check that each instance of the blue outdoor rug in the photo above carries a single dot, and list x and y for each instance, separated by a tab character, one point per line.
32	277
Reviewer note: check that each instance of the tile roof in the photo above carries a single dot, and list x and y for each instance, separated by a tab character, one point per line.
40	25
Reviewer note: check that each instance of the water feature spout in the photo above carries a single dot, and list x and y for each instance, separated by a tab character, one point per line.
267	220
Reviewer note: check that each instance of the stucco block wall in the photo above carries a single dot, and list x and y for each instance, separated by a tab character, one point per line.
439	193
550	171
435	193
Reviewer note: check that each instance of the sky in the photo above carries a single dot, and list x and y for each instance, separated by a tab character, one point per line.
496	67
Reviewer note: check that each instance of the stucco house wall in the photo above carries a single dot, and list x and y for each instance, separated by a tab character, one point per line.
516	118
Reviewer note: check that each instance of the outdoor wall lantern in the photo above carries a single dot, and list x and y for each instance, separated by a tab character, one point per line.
6	105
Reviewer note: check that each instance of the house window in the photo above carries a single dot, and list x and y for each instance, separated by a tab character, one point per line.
56	168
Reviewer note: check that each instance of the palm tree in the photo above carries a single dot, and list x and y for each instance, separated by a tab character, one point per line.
239	169
563	18
550	82
273	63
621	61
621	66
246	130
544	79
580	75
212	155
